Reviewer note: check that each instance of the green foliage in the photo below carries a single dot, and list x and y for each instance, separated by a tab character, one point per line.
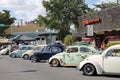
103	6
68	40
6	19
112	43
61	14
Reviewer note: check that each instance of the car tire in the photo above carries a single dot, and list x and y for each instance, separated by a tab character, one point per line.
89	70
12	55
25	57
55	63
34	59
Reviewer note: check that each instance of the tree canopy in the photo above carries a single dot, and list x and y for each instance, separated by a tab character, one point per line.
6	19
103	5
60	14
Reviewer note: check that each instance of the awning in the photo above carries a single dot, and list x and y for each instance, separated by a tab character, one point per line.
87	39
4	40
22	38
112	37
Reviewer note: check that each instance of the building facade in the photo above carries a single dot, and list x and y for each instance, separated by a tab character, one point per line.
103	26
33	30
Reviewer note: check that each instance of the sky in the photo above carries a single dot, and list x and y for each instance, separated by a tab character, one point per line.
28	10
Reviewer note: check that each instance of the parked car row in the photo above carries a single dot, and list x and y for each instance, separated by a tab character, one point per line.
18	53
73	55
86	57
26	55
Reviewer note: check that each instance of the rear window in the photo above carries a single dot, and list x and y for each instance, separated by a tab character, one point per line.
85	49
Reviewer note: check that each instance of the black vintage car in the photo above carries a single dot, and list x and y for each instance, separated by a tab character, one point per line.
47	52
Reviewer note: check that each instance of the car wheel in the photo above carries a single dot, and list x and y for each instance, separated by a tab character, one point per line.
89	70
55	63
12	55
26	57
34	59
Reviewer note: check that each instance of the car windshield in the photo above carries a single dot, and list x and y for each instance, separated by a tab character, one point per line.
38	48
97	49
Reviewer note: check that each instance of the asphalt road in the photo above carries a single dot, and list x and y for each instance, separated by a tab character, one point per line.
18	69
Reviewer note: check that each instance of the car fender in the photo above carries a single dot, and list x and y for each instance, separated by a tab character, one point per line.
59	58
4	51
97	66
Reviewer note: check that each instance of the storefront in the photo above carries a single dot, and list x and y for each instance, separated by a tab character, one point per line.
103	26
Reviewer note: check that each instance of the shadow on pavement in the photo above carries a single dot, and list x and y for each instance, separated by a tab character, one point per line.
29	71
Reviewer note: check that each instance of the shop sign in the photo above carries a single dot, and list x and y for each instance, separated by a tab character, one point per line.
86	22
87	39
89	30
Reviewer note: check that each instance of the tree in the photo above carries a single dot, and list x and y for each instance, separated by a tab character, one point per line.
6	19
68	40
103	5
60	14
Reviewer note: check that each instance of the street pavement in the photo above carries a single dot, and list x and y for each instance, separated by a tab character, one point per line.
18	69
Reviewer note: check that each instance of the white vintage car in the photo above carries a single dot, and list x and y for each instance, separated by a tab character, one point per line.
106	63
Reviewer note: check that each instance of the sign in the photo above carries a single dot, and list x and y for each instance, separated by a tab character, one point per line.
86	22
89	30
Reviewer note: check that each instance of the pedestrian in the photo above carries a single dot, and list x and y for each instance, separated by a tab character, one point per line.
102	46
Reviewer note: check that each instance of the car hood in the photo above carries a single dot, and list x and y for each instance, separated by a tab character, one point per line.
15	51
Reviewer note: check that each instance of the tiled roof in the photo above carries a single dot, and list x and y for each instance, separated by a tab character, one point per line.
25	28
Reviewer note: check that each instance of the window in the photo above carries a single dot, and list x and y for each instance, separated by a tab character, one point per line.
72	50
114	52
23	48
109	53
29	48
84	49
38	48
55	49
46	49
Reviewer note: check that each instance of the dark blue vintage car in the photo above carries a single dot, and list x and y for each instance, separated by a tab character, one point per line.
47	52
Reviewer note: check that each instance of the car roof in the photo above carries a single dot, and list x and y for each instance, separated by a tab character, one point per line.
27	46
115	46
90	45
81	43
40	45
55	45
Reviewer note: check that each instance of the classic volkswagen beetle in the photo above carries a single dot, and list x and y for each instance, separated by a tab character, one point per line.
106	63
73	55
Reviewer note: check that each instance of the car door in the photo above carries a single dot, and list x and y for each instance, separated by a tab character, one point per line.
71	56
111	63
44	54
21	50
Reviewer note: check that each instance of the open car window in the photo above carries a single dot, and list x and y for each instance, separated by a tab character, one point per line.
114	53
85	50
72	50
